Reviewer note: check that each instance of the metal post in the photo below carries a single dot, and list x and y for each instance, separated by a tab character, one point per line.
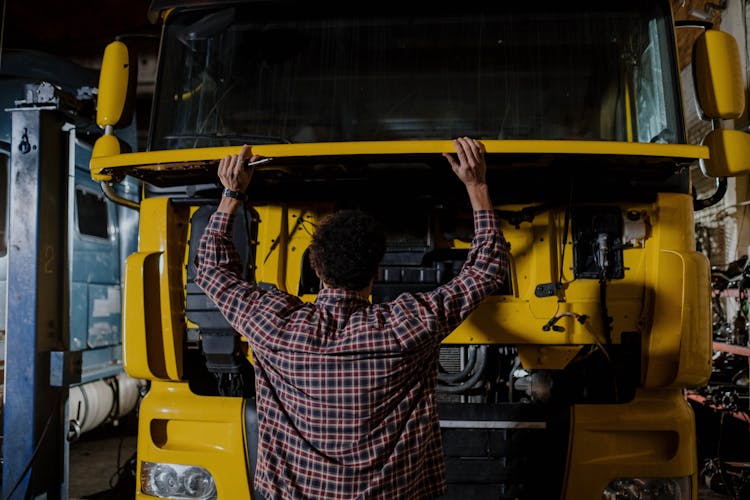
35	449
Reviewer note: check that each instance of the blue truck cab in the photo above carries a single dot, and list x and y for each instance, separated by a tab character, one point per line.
100	233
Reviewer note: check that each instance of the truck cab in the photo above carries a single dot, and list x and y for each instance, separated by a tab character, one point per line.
568	383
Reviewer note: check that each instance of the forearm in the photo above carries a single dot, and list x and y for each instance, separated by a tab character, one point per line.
217	262
483	273
479	196
229	205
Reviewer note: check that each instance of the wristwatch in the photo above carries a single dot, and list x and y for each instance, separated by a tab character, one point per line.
235	194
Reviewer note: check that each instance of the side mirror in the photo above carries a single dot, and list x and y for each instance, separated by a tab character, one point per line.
720	90
717	73
730	153
115	103
113	84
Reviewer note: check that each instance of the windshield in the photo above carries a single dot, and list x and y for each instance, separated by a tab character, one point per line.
266	73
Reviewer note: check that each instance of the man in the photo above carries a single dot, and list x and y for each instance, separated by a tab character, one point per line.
346	389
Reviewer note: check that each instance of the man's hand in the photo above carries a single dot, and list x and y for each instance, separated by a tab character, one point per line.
232	171
471	169
235	176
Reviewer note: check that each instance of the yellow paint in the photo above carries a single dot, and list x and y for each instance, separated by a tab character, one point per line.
113	84
553	357
191	158
677	344
284	233
730	153
106	145
628	110
141	316
165	236
658	284
536	249
177	426
651	436
721	93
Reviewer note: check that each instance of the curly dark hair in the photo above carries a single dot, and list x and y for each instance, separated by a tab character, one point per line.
347	248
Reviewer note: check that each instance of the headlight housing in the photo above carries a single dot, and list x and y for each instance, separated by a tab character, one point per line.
649	488
188	482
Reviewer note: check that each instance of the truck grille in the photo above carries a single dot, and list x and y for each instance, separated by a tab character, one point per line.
503	451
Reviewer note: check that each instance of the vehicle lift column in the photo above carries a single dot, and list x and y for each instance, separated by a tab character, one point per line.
39	366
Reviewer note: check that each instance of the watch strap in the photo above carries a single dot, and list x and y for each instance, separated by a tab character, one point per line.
235	194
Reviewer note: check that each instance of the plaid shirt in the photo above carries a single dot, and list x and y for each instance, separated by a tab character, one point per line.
346	389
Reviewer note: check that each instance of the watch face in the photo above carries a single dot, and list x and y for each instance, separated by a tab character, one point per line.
235	194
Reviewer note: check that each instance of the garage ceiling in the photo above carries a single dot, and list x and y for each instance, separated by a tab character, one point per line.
77	29
82	29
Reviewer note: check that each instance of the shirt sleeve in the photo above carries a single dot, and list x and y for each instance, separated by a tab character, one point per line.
434	315
219	276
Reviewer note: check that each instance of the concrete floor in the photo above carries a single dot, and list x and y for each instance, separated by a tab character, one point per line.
99	463
706	494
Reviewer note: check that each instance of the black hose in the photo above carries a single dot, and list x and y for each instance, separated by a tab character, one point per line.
452	378
476	376
721	190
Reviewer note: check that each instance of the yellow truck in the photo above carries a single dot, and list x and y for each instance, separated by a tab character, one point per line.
569	383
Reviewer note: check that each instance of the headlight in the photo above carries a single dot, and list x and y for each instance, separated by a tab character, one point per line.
177	481
649	488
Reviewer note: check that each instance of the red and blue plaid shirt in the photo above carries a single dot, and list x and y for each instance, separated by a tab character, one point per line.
346	389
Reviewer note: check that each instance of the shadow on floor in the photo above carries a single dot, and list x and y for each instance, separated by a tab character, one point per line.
102	463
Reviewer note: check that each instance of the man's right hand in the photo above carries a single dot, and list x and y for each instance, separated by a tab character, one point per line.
470	167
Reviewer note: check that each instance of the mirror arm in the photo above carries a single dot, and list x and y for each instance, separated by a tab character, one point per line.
721	190
694	23
113	196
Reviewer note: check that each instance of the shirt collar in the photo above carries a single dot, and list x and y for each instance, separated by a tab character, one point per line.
340	297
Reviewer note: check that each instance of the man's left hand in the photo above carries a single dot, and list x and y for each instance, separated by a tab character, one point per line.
232	171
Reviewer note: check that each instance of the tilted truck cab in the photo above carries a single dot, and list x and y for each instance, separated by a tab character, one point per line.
568	383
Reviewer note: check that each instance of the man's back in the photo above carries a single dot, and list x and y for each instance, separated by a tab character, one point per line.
345	405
